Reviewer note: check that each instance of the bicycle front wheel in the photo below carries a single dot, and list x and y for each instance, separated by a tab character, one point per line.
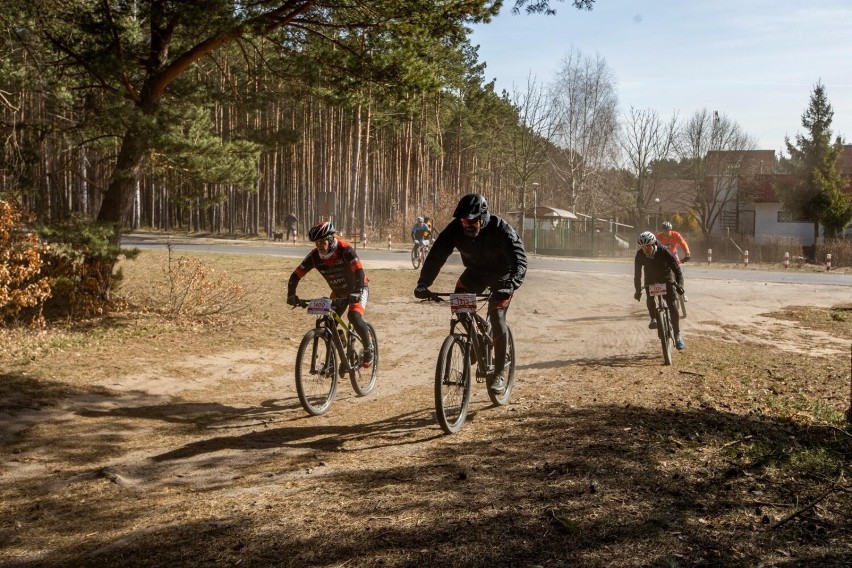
501	399
363	380
415	257
316	372
452	384
664	330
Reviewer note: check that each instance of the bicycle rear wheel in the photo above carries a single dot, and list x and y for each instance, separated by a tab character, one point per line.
316	372
452	384
502	398
363	380
664	330
415	257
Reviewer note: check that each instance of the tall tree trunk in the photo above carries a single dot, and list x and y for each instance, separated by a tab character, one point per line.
116	201
366	182
356	165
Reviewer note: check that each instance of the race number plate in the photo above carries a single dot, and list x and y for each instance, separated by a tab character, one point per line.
320	306
463	303
657	290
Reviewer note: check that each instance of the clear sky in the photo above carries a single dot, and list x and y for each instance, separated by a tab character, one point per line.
756	61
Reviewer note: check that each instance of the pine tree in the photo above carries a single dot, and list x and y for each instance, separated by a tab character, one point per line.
817	192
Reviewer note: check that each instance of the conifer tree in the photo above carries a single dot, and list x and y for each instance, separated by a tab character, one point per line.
816	194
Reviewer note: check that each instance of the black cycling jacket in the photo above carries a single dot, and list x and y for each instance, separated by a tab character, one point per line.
496	254
662	267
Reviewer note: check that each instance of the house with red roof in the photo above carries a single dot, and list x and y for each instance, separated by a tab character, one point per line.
748	201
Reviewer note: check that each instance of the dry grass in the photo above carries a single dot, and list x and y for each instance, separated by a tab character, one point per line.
134	441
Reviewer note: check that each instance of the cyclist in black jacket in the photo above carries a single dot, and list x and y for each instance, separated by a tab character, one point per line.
493	256
660	267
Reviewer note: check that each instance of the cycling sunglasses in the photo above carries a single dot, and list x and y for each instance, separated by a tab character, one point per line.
470	222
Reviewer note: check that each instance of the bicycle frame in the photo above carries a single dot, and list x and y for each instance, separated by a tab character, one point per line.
476	332
332	322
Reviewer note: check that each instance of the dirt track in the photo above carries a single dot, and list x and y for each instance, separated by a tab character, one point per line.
151	433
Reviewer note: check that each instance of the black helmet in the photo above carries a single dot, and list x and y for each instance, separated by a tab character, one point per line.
321	231
471	206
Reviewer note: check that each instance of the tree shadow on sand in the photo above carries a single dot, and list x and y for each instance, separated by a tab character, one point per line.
601	486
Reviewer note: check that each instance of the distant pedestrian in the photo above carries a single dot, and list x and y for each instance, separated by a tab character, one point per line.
291	222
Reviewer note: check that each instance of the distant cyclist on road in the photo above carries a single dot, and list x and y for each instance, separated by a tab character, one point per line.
671	240
338	263
493	257
660	268
420	233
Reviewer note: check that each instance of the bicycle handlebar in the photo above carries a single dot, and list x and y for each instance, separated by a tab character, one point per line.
335	303
439	296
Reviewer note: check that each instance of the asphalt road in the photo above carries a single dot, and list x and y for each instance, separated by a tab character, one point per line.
536	262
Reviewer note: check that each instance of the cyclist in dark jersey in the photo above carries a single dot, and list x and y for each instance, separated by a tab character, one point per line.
338	263
660	268
493	256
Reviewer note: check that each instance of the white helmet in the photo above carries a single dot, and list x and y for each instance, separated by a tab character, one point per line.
420	219
646	238
667	226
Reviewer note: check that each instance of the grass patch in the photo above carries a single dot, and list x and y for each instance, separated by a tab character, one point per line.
836	320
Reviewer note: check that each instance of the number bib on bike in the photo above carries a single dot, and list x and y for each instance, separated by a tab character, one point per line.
463	303
657	289
320	306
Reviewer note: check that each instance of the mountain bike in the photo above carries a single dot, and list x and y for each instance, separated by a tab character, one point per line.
467	354
419	252
332	348
665	331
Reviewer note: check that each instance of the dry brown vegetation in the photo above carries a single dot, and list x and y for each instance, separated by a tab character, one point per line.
137	440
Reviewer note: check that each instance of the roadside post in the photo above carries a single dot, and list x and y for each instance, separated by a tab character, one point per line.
745	258
709	256
786	260
828	261
389	242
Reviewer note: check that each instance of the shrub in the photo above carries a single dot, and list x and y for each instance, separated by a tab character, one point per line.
194	292
772	249
23	286
81	264
840	251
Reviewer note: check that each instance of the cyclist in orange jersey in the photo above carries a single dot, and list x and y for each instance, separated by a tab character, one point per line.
670	240
337	262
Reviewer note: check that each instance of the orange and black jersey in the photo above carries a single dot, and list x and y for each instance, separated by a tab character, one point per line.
342	271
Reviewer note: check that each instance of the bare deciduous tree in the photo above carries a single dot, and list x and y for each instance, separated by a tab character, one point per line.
646	139
528	139
716	149
585	103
